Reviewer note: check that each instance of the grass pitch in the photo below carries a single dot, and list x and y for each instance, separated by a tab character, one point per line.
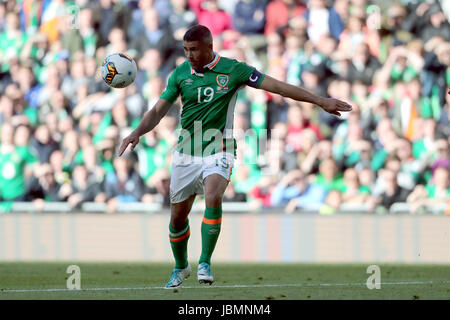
233	281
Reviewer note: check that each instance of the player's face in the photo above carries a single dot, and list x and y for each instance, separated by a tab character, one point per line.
198	53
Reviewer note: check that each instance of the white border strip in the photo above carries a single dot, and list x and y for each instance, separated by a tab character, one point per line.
306	285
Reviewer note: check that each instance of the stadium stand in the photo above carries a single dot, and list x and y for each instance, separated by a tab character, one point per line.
61	125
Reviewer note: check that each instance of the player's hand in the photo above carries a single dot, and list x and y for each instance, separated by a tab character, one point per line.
335	106
132	139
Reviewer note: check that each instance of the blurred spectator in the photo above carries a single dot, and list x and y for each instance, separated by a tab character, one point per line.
426	138
22	137
42	144
354	192
111	13
5	79
13	161
434	23
124	184
228	5
43	186
277	110
342	7
397	30
154	36
84	38
329	176
70	148
405	177
83	189
46	90
296	124
231	195
442	158
366	178
90	158
8	114
244	178
261	194
409	165
322	21
249	16
12	39
392	193
158	189
434	75
319	152
438	191
37	49
217	20
57	164
357	33
180	19
295	191
77	78
348	140
163	7
307	141
332	202
212	16
117	41
152	155
150	66
136	24
3	12
279	12
363	65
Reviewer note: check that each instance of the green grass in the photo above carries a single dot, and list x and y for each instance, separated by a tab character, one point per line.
291	281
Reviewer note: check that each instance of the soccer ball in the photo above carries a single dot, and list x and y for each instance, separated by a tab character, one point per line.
118	70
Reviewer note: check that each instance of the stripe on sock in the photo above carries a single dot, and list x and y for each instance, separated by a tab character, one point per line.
182	237
177	234
212	221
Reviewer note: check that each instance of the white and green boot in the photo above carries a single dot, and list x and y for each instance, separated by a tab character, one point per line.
204	274
177	277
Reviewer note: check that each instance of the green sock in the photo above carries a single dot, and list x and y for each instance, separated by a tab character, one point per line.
178	242
212	221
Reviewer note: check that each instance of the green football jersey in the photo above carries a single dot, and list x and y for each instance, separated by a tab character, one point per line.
208	101
12	174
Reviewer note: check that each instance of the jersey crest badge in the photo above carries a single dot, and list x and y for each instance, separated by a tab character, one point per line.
222	81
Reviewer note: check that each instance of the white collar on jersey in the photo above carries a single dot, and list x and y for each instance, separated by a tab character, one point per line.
210	65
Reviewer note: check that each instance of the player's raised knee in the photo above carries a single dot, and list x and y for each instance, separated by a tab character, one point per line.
213	198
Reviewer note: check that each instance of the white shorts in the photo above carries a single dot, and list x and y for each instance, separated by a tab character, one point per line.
189	172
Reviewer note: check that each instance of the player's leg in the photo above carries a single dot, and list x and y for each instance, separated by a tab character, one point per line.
179	232
185	179
215	185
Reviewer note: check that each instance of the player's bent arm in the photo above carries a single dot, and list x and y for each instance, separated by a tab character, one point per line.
297	93
287	90
153	117
149	121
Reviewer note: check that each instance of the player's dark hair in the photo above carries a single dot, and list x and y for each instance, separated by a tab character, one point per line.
198	33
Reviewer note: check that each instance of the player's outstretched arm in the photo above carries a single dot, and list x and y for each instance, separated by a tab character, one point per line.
149	121
330	105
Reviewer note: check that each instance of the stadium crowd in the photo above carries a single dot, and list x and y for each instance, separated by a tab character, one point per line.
61	125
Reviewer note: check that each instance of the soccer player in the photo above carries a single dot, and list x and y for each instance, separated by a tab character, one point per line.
202	162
